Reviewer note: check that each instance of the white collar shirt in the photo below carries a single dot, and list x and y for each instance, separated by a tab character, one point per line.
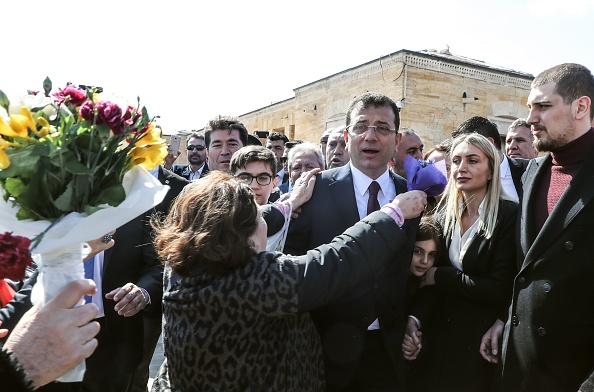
507	181
361	184
460	243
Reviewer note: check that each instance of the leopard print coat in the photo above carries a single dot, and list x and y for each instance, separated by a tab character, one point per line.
250	329
240	332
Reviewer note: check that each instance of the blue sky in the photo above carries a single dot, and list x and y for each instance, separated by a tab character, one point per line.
189	62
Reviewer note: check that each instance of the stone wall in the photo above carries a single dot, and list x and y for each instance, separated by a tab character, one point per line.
438	93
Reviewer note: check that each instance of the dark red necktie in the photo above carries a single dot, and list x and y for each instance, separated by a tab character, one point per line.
372	202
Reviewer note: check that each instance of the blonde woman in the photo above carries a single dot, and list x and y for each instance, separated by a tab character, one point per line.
467	292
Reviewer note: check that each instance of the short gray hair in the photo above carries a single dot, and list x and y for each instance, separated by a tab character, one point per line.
520	122
307	148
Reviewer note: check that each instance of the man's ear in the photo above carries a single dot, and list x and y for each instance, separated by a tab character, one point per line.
398	140
583	107
275	182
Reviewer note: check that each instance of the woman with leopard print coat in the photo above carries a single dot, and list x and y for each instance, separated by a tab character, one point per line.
236	317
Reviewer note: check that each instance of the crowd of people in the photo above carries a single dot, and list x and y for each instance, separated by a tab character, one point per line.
301	266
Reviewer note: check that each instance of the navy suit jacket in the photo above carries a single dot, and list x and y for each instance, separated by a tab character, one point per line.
343	324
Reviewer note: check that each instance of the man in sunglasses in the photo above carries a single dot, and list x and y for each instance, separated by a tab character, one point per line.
197	167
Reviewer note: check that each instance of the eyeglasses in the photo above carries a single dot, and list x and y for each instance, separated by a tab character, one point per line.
262	179
192	148
359	129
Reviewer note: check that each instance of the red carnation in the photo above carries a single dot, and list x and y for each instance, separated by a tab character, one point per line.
14	256
110	114
76	95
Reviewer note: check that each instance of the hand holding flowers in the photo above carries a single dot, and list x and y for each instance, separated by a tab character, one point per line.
72	168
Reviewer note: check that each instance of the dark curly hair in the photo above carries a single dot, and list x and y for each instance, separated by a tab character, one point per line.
209	225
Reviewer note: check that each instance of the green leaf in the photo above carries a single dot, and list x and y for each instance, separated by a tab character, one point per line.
73	165
24	214
22	162
4	101
65	201
112	195
47	86
90	209
14	186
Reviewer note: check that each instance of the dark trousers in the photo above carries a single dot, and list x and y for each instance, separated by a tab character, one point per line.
102	374
152	332
375	373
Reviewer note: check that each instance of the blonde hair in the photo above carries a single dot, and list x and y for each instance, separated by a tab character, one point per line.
451	203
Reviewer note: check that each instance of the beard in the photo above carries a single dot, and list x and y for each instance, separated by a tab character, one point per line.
196	160
546	142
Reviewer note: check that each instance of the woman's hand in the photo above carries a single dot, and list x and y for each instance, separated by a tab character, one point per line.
303	188
411	345
99	245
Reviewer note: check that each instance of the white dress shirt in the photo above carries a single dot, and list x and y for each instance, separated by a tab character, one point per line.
507	181
386	194
460	244
97	298
361	184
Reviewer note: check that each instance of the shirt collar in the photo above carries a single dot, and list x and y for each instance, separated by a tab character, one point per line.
155	172
361	181
480	209
504	167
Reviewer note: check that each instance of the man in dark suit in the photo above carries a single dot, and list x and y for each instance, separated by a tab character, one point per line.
548	343
276	143
511	169
361	333
152	319
130	283
127	341
197	166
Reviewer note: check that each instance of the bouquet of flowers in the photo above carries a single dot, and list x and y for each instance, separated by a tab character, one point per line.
72	168
427	176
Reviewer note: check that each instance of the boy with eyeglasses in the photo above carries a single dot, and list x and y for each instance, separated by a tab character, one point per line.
256	167
197	166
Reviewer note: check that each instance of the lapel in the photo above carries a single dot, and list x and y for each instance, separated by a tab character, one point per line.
516	171
204	170
578	194
163	176
342	191
399	182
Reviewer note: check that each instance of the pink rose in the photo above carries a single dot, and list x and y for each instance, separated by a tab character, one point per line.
14	256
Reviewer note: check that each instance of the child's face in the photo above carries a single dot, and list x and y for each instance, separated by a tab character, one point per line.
423	258
259	168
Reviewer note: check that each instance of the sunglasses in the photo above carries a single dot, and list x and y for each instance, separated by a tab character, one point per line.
192	148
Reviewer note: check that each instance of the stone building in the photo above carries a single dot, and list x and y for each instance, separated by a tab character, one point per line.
436	90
